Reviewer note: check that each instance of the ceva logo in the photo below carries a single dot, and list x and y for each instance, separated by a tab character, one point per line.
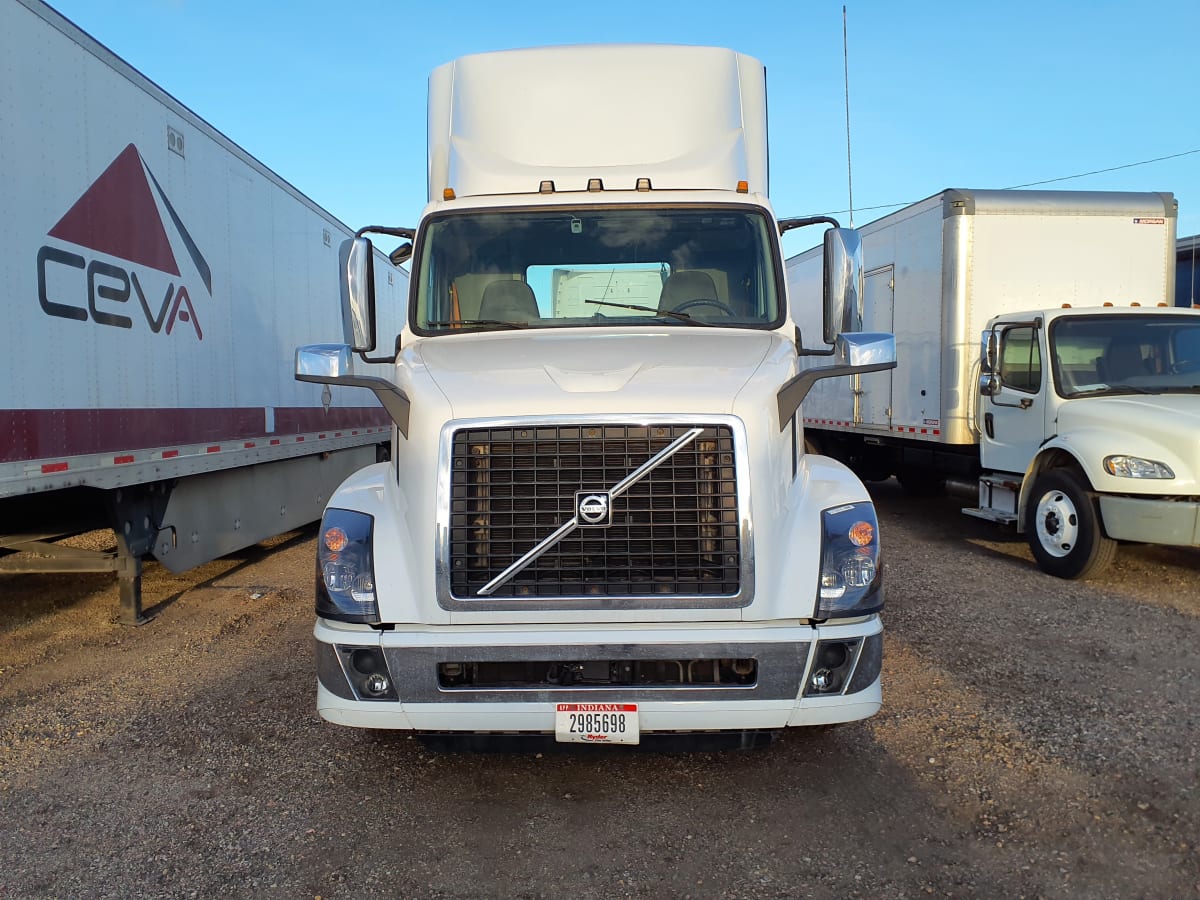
118	217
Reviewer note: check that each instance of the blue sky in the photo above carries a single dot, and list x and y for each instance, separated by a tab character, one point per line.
332	96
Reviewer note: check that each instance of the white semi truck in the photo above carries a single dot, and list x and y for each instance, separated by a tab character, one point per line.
1080	418
599	523
157	280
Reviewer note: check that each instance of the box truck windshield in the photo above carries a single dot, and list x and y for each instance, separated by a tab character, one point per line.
1123	354
585	265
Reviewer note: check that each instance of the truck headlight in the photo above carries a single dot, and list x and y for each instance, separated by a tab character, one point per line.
346	567
1136	467
850	578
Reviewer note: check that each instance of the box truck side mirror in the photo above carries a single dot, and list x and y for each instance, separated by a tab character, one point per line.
989	354
843	287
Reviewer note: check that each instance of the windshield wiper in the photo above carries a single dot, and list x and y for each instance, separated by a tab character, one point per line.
1114	389
683	317
473	322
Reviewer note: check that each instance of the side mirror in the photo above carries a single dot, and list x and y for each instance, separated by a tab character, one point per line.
843	287
989	384
852	354
334	364
358	294
401	253
989	352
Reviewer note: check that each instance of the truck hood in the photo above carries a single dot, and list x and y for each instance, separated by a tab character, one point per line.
1160	427
1170	418
655	370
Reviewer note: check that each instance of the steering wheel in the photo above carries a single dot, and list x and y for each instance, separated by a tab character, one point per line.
705	301
1185	366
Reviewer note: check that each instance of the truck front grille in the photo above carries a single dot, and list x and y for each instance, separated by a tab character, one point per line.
675	531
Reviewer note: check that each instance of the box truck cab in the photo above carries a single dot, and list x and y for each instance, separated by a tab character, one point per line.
598	523
1089	424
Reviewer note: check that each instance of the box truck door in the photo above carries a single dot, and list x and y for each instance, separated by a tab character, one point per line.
874	406
1014	416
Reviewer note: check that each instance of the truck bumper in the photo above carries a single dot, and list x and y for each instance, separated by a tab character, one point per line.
780	694
1152	521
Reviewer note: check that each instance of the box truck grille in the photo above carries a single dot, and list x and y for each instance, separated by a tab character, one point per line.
674	530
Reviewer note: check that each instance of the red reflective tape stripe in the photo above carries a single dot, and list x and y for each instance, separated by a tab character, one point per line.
337	434
299	439
214	449
170	454
274	441
121	460
321	437
48	468
354	432
249	445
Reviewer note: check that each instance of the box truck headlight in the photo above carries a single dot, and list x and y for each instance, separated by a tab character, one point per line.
1136	467
346	567
849	562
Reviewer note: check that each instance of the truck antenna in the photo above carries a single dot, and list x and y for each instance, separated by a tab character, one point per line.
846	80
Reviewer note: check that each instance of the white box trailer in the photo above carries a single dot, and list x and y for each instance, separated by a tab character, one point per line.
1054	278
157	280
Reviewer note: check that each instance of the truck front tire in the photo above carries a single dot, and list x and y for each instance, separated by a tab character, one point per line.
1062	525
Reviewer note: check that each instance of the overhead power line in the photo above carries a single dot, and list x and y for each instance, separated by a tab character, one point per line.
1144	162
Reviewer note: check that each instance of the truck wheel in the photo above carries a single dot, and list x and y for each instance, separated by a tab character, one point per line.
1062	524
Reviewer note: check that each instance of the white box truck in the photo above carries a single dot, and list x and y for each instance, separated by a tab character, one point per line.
598	524
1080	419
157	279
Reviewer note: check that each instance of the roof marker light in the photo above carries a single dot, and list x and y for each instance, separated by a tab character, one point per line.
595	184
743	187
1066	306
1135	303
643	184
448	193
546	187
1107	303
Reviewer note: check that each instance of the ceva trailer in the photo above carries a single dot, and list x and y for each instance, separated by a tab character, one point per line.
157	279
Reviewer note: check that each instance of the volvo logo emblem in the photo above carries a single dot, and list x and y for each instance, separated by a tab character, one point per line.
592	508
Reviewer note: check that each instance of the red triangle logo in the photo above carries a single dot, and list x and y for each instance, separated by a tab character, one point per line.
117	215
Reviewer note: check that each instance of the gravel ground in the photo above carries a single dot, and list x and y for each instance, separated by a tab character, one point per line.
1038	738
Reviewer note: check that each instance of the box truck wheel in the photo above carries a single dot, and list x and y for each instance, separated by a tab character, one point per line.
1062	524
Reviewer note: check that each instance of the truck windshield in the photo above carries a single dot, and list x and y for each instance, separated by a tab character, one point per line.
635	266
1125	354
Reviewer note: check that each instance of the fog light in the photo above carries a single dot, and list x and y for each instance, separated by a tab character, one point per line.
822	680
832	655
368	661
376	685
832	664
367	670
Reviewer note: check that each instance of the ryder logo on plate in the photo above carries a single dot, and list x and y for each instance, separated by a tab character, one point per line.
121	216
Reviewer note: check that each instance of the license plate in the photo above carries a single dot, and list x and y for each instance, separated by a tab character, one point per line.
596	723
